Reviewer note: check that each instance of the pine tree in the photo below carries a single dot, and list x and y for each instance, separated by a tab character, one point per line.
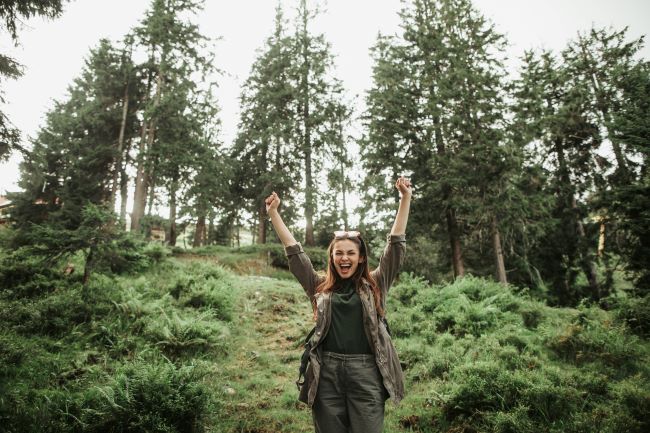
554	110
11	12
66	180
290	127
174	45
436	112
263	148
317	108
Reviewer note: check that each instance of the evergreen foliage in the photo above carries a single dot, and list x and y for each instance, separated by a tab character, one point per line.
292	124
11	13
488	359
440	116
128	360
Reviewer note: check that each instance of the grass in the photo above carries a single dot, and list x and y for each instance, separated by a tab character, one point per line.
214	338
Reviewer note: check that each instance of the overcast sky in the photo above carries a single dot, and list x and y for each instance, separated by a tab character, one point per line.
53	52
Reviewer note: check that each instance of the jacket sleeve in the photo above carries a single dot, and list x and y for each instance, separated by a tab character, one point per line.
301	268
390	263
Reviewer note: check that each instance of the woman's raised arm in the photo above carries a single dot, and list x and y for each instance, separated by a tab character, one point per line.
299	264
272	203
403	185
392	257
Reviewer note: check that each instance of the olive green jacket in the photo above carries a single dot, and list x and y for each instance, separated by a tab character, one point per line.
385	353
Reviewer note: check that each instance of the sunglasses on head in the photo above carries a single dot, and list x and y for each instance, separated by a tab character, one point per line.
342	234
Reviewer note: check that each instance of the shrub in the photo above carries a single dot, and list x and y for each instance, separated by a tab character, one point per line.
407	288
318	257
149	397
51	315
177	335
592	336
156	252
124	254
489	389
216	294
635	313
22	275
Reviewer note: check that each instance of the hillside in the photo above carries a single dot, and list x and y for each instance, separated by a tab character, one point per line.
185	344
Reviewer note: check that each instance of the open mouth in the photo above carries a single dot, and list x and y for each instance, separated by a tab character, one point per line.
345	268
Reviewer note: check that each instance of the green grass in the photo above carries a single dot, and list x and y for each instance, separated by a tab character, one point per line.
215	340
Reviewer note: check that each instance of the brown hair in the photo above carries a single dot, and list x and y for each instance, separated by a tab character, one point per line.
332	278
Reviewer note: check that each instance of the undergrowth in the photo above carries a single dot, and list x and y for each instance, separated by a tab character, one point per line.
194	343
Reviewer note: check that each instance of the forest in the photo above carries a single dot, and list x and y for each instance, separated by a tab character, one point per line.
524	301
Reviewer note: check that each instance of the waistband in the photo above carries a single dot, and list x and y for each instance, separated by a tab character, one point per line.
349	356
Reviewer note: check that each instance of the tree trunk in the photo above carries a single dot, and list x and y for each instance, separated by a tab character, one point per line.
307	145
120	146
172	213
144	172
124	187
454	240
587	264
140	194
152	193
601	237
452	225
498	252
199	232
88	267
345	207
210	234
261	224
309	200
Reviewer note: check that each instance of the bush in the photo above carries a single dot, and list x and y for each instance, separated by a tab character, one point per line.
486	388
216	294
149	397
318	257
592	336
635	313
124	254
53	315
156	252
408	287
180	335
22	275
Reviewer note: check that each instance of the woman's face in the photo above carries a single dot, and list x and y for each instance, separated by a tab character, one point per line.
346	258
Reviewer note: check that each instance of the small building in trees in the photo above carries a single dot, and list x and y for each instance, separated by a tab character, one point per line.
5	208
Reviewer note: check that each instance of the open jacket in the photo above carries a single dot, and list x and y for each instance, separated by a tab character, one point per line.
378	338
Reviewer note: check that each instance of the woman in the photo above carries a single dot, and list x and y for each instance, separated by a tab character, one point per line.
353	366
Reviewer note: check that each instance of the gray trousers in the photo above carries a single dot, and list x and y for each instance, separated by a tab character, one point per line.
350	396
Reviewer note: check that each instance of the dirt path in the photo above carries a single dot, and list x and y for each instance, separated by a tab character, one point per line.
256	381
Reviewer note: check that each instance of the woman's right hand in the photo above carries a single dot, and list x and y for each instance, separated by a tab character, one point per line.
272	202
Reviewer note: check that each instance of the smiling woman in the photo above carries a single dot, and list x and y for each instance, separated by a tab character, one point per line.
353	365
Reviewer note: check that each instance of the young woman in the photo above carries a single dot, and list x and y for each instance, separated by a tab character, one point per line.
353	366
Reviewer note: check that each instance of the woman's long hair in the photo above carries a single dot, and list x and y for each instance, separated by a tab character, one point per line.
332	278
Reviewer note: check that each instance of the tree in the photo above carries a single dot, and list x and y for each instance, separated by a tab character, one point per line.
553	109
290	125
317	107
11	11
263	147
174	65
436	112
67	177
601	60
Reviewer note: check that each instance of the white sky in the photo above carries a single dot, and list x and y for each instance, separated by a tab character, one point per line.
53	52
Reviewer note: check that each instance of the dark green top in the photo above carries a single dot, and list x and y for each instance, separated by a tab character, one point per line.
346	333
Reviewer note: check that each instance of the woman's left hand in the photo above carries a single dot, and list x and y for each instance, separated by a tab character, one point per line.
404	187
